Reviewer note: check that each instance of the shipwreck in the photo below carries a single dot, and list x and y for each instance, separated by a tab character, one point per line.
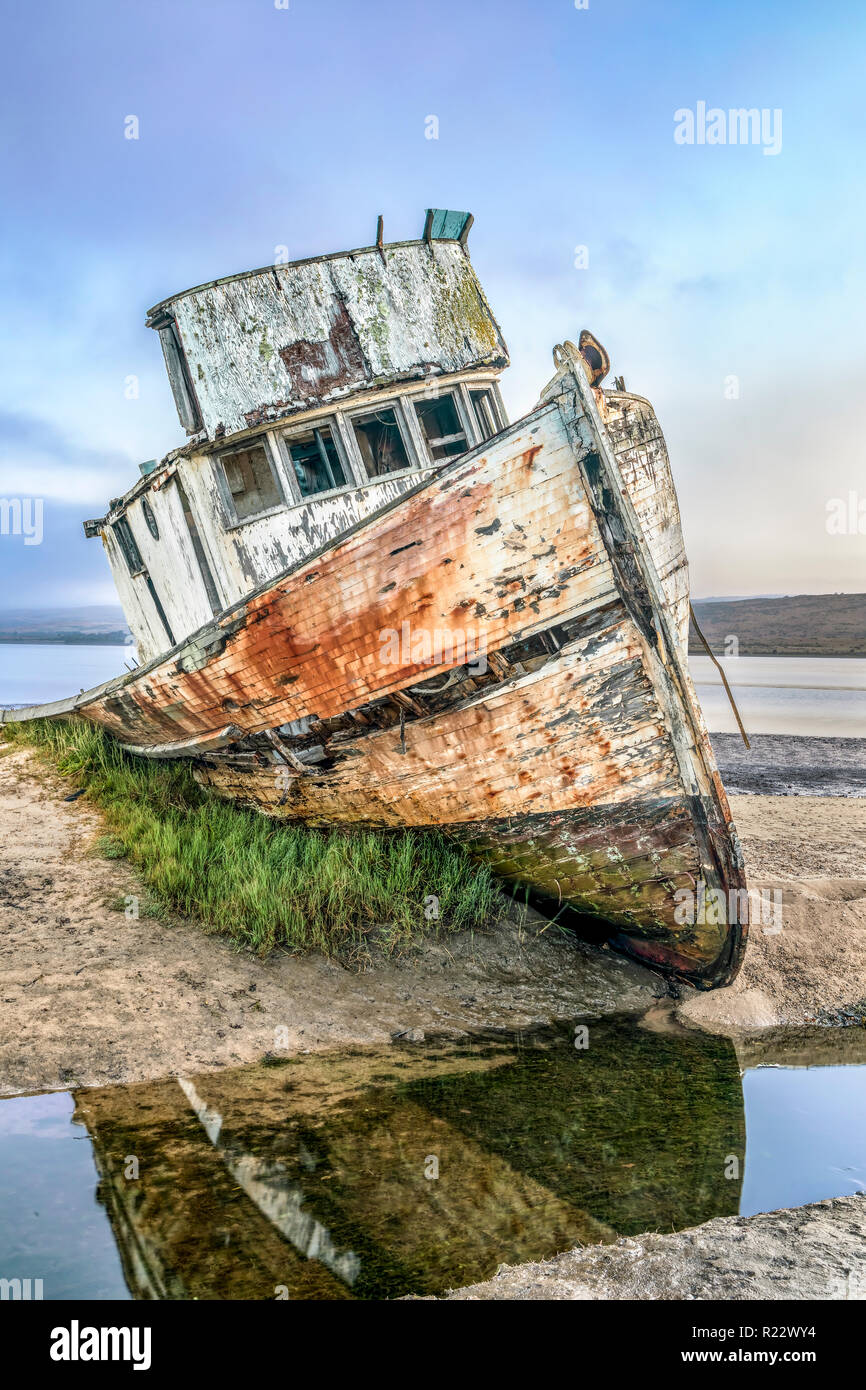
360	596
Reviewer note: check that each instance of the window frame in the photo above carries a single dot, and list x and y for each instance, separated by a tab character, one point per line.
231	513
417	459
276	441
466	419
281	440
486	388
149	516
127	543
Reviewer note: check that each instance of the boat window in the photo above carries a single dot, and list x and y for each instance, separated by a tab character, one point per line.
150	519
485	413
441	427
381	442
251	482
315	460
128	545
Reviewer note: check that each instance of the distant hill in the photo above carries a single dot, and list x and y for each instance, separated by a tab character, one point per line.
797	625
102	624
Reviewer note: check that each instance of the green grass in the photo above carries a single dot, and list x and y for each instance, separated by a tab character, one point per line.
262	883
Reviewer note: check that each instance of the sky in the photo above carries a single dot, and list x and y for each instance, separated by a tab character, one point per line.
726	283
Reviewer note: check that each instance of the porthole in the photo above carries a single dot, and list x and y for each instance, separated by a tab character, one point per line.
149	517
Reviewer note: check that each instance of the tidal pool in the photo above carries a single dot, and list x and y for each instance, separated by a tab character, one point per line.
420	1167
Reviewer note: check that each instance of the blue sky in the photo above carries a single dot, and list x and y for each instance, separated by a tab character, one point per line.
262	127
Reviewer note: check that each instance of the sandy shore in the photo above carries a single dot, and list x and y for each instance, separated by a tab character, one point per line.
807	856
812	1252
102	999
90	998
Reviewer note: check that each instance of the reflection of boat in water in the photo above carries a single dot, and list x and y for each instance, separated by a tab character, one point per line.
382	1173
361	597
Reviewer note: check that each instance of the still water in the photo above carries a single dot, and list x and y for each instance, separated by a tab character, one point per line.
776	694
34	673
820	696
370	1174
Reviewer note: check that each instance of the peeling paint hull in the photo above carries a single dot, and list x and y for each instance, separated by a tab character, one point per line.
570	753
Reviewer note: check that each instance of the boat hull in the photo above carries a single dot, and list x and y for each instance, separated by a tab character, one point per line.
499	654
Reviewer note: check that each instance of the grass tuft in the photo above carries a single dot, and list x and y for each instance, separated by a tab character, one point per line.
262	883
110	847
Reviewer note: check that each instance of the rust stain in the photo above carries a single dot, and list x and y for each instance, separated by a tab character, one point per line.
300	652
316	369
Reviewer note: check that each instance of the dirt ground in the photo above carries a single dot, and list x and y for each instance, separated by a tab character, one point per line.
808	962
813	1252
89	997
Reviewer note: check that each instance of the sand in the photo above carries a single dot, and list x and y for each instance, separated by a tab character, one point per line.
812	1252
787	765
90	998
811	851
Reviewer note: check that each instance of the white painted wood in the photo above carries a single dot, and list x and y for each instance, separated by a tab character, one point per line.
287	337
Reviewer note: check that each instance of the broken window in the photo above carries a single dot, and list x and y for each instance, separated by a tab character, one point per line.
381	443
486	414
316	461
250	481
128	545
441	427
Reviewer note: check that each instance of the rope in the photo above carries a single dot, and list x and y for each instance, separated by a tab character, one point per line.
728	690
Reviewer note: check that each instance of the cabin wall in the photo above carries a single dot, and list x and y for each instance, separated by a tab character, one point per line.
264	346
171	565
252	552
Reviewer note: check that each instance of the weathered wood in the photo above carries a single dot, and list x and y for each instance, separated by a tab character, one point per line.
586	778
495	644
275	341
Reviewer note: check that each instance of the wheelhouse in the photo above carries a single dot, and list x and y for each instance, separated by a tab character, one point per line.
313	394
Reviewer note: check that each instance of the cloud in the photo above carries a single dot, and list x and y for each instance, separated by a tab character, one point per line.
37	460
65	568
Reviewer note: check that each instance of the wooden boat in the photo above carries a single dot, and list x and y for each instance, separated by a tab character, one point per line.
361	597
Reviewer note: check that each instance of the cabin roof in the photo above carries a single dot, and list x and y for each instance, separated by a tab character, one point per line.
159	310
265	344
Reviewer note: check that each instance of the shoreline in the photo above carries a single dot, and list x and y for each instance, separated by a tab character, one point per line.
809	1252
105	1001
791	765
